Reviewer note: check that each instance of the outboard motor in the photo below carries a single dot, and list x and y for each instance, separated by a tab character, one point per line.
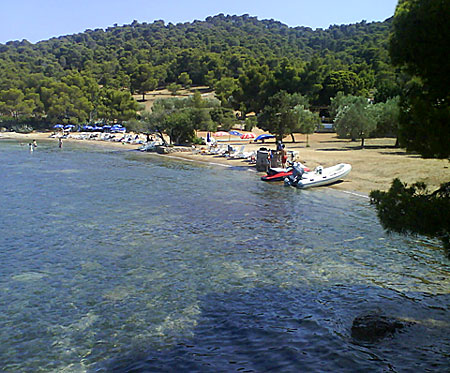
297	174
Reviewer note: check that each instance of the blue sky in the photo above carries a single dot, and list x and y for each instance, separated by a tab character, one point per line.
36	20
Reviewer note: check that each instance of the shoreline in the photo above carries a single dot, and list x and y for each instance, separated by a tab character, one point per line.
373	167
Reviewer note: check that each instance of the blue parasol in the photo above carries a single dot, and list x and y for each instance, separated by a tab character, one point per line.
118	128
58	126
264	136
235	133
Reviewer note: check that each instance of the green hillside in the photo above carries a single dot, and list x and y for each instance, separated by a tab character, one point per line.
93	68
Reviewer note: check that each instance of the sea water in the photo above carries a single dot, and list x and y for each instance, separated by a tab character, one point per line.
121	261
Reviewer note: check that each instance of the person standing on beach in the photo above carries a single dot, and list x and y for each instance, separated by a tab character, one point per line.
279	146
60	142
283	156
269	159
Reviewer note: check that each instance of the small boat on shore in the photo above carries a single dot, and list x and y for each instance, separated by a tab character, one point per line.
319	177
279	174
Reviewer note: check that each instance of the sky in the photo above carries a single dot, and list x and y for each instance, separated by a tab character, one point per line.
37	20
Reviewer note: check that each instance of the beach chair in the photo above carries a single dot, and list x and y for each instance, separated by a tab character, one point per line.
148	147
217	150
237	154
229	150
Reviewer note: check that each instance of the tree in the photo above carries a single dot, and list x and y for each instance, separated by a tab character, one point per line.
340	81
414	210
12	102
224	89
173	88
117	106
308	121
312	79
419	42
387	117
355	119
285	78
180	126
223	117
251	95
143	80
64	103
279	116
180	117
185	80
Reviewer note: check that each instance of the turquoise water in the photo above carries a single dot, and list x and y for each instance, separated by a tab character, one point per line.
120	261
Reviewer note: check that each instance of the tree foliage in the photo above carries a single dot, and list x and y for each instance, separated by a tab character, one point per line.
355	118
179	118
245	59
414	210
280	116
307	120
419	42
387	116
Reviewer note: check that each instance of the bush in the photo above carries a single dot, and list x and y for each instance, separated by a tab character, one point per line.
198	141
22	128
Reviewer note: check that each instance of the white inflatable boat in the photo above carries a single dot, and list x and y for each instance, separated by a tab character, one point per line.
319	177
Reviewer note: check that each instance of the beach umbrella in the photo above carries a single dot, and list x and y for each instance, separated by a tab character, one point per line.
248	136
58	126
221	134
235	133
264	136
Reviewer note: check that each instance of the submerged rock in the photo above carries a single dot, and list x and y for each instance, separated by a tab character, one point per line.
373	327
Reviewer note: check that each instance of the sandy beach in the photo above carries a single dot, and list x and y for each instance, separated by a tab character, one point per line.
373	167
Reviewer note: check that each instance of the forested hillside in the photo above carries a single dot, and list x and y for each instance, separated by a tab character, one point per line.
76	77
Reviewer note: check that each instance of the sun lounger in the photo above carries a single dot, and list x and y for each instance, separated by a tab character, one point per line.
148	147
237	154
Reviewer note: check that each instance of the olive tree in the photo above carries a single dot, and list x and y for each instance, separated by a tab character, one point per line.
355	119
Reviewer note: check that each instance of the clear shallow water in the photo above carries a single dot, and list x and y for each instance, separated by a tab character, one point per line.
118	261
